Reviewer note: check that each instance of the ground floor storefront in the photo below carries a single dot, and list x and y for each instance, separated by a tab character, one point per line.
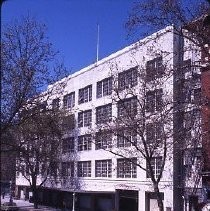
120	200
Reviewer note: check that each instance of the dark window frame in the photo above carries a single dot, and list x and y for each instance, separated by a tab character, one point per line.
104	87
103	168
85	94
126	168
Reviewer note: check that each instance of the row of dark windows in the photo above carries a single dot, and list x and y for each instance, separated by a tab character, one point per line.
126	79
126	168
126	109
103	140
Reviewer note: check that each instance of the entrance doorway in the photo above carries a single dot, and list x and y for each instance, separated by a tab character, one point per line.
127	200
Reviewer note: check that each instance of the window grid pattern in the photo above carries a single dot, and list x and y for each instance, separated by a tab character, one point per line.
154	132
69	100
126	168
154	69
154	100
156	163
68	145
103	168
103	140
85	94
127	78
85	118
104	87
67	169
104	114
126	138
55	103
84	169
127	108
84	143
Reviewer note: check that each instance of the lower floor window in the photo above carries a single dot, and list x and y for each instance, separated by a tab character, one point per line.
67	169
103	168
84	169
126	168
156	163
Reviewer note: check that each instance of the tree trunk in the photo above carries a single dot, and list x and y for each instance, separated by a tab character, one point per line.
35	196
159	198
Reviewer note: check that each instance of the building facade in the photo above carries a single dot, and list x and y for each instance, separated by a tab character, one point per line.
101	169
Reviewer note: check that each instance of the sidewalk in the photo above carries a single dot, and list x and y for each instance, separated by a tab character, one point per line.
27	206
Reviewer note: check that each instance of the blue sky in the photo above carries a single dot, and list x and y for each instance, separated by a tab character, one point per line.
72	26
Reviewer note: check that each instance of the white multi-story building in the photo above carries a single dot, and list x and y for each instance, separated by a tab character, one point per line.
98	174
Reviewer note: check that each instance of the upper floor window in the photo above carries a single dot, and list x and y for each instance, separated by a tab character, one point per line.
128	78
126	168
154	100
154	132
156	163
104	87
103	114
85	118
55	103
154	69
67	169
186	66
85	94
84	169
69	100
68	145
103	168
84	143
103	140
126	138
68	122
127	108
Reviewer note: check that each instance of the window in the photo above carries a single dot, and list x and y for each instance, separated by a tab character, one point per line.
69	100
104	87
68	122
53	168
103	140
186	66
126	168
55	103
156	163
154	100
154	132
127	108
84	143
192	118
68	145
197	96
85	94
103	168
104	114
126	138
85	118
67	169
84	169
127	78
154	69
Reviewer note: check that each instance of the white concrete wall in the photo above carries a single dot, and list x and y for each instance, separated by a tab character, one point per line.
131	56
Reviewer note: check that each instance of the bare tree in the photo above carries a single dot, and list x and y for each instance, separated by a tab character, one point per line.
191	23
37	146
28	65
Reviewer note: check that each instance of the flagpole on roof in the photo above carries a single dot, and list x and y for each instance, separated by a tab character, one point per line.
97	46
